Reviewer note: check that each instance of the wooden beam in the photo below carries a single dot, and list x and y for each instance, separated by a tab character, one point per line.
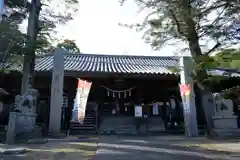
103	75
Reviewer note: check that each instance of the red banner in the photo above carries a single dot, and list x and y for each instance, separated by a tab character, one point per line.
80	102
185	89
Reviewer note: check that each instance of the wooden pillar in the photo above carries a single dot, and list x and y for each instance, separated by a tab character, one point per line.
190	117
56	92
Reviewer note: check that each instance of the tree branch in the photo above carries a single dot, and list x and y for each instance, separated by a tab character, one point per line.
214	48
176	21
214	21
213	7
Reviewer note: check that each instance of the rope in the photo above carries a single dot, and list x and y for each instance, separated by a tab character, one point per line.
119	91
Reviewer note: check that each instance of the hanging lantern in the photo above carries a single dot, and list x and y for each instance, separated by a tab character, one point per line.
113	94
108	93
130	93
119	94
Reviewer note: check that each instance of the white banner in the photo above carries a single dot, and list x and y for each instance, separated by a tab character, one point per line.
80	101
138	111
1	9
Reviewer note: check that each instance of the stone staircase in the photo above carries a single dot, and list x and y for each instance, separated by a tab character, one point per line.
89	126
126	125
155	124
118	125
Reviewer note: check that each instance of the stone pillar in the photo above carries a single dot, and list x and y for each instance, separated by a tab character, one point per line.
190	117
56	92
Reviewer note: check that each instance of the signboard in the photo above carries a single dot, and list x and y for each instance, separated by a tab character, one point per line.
138	111
80	101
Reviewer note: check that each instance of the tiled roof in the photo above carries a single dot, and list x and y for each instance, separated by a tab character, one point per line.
115	64
110	64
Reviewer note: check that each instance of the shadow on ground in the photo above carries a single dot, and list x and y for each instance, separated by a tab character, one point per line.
128	148
153	148
57	150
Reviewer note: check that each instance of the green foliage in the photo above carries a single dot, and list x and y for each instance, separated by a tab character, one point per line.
17	4
188	21
228	58
69	45
11	39
231	93
13	42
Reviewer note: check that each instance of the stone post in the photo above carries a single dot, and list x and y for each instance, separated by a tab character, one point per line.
11	129
56	92
190	117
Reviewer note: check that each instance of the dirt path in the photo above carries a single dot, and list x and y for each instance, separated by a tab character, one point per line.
64	149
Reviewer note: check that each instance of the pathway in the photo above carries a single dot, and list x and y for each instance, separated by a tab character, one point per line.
126	148
55	149
155	148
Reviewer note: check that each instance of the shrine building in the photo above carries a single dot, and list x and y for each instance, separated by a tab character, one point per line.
117	80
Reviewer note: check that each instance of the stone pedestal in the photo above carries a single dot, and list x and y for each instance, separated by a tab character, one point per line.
23	115
225	123
26	123
226	126
11	128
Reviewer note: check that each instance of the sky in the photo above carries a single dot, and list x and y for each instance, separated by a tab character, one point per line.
96	29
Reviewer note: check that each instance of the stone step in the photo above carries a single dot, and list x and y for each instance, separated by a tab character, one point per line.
89	126
84	128
126	125
82	125
73	132
126	132
118	127
89	117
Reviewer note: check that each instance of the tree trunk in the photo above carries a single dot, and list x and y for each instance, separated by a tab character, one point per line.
29	58
208	108
206	95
